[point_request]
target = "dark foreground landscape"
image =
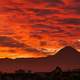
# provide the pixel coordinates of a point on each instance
(68, 60)
(56, 74)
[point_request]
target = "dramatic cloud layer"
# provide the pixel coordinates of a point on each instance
(38, 28)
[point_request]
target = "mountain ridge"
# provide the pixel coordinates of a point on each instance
(67, 58)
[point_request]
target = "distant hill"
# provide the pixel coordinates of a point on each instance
(67, 58)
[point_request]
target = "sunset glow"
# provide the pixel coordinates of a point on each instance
(38, 28)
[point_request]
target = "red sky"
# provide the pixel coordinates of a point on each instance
(38, 28)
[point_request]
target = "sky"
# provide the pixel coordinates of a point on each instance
(38, 28)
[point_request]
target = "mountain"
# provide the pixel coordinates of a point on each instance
(67, 58)
(67, 53)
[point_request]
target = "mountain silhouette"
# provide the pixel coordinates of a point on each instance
(67, 58)
(68, 52)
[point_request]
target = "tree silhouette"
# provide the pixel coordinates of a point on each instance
(56, 74)
(20, 71)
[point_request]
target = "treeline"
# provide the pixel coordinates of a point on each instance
(56, 74)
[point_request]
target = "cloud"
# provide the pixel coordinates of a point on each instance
(36, 20)
(10, 42)
(49, 1)
(43, 26)
(63, 43)
(71, 33)
(70, 21)
(36, 36)
(73, 7)
(36, 50)
(57, 30)
(44, 12)
(12, 51)
(76, 44)
(43, 43)
(6, 41)
(12, 9)
(52, 0)
(55, 3)
(38, 33)
(30, 22)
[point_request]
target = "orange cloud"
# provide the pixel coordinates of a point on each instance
(37, 28)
